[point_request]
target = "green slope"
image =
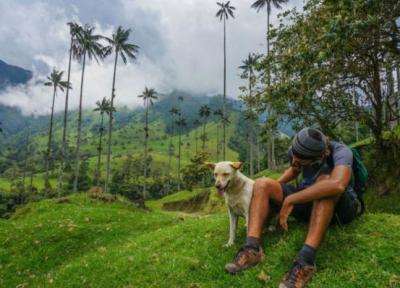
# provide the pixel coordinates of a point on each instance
(87, 243)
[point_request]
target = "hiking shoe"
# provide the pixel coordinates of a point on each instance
(298, 276)
(246, 257)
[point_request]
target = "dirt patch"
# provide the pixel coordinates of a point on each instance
(190, 205)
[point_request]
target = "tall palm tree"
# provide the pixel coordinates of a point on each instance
(75, 32)
(196, 123)
(120, 46)
(27, 153)
(250, 116)
(204, 113)
(223, 14)
(148, 96)
(219, 114)
(1, 129)
(259, 5)
(54, 80)
(86, 45)
(174, 113)
(103, 107)
(181, 123)
(248, 67)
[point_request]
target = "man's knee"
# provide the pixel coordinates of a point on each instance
(265, 186)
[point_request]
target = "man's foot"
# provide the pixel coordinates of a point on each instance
(298, 276)
(246, 257)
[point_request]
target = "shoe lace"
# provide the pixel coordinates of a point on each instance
(243, 252)
(296, 272)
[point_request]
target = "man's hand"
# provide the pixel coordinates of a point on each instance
(286, 210)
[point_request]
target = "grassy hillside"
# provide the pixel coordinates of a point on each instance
(86, 242)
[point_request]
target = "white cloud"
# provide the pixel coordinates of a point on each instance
(181, 47)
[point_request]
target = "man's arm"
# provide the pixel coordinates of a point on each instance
(335, 185)
(289, 174)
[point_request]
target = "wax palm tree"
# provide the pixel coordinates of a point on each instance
(102, 107)
(218, 113)
(181, 123)
(223, 14)
(259, 5)
(54, 80)
(196, 123)
(86, 45)
(251, 116)
(75, 31)
(248, 67)
(1, 129)
(174, 113)
(204, 113)
(120, 46)
(148, 96)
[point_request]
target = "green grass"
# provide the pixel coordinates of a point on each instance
(88, 243)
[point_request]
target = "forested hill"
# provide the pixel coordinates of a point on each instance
(13, 75)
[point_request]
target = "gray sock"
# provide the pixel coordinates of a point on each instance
(253, 242)
(307, 255)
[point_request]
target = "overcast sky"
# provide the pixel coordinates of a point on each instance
(180, 47)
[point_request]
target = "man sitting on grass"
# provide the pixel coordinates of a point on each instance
(323, 197)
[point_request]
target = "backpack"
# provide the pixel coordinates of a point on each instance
(359, 177)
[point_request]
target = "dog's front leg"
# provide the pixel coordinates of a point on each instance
(233, 221)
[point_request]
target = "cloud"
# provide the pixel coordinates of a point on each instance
(181, 47)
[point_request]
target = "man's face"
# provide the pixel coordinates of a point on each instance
(297, 162)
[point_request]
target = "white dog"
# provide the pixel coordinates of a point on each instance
(237, 189)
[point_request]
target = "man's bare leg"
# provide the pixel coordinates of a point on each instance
(303, 268)
(321, 217)
(265, 189)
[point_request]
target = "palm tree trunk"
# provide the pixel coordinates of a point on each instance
(398, 92)
(107, 176)
(26, 156)
(170, 149)
(204, 136)
(100, 149)
(224, 103)
(270, 140)
(258, 149)
(46, 180)
(145, 150)
(78, 140)
(196, 137)
(251, 150)
(64, 137)
(217, 141)
(251, 131)
(179, 154)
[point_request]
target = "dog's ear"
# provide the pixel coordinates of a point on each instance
(236, 165)
(211, 165)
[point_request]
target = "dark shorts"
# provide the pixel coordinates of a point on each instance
(346, 209)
